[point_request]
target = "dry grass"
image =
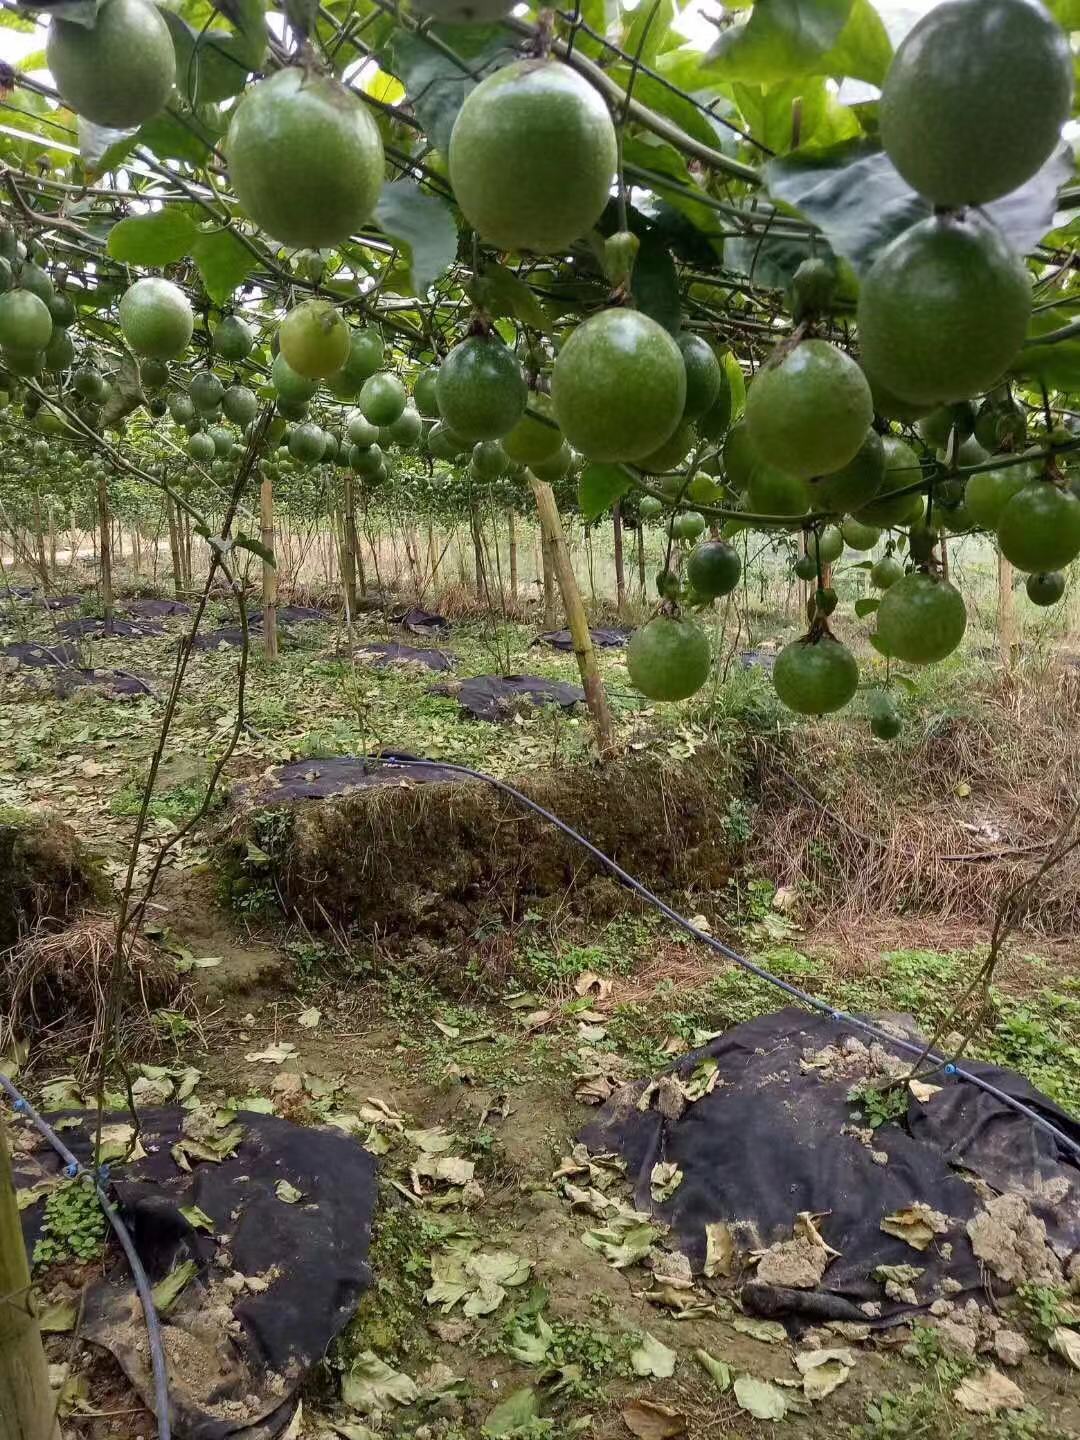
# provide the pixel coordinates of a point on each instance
(54, 991)
(942, 827)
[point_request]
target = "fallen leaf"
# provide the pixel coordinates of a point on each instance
(57, 1317)
(273, 1054)
(197, 1219)
(371, 1386)
(989, 1393)
(650, 1421)
(1066, 1343)
(719, 1250)
(823, 1371)
(589, 980)
(717, 1370)
(167, 1291)
(760, 1399)
(770, 1331)
(664, 1180)
(922, 1091)
(653, 1358)
(518, 1410)
(285, 1190)
(916, 1225)
(309, 1019)
(434, 1141)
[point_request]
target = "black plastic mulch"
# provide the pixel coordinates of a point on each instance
(380, 653)
(779, 1137)
(603, 639)
(151, 608)
(61, 602)
(498, 698)
(99, 629)
(120, 684)
(321, 779)
(421, 622)
(28, 653)
(292, 615)
(275, 1281)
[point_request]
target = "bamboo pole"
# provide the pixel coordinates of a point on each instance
(269, 572)
(27, 1406)
(593, 685)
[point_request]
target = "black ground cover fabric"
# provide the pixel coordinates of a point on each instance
(62, 602)
(149, 607)
(292, 615)
(380, 653)
(499, 698)
(29, 653)
(421, 622)
(319, 779)
(118, 683)
(779, 1137)
(276, 1281)
(563, 640)
(98, 628)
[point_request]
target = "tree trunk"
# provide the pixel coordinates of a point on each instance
(105, 549)
(641, 559)
(186, 525)
(39, 542)
(136, 549)
(478, 550)
(511, 532)
(349, 547)
(174, 547)
(620, 573)
(550, 617)
(1006, 616)
(269, 572)
(52, 538)
(593, 685)
(432, 558)
(27, 1406)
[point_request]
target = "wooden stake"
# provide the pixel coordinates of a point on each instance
(511, 534)
(552, 526)
(105, 548)
(269, 573)
(174, 547)
(620, 573)
(27, 1406)
(550, 617)
(350, 548)
(1006, 616)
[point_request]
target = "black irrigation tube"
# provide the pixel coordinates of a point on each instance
(74, 1169)
(950, 1067)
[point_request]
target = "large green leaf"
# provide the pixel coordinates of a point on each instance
(501, 292)
(855, 194)
(437, 84)
(796, 113)
(177, 134)
(598, 489)
(655, 284)
(211, 65)
(863, 51)
(781, 39)
(1066, 13)
(423, 226)
(648, 28)
(223, 261)
(157, 239)
(1057, 366)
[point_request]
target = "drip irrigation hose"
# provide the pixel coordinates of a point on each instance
(950, 1067)
(73, 1169)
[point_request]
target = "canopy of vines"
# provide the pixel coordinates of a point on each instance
(785, 280)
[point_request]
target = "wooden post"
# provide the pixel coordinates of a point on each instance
(349, 546)
(105, 548)
(620, 573)
(478, 550)
(27, 1406)
(39, 541)
(552, 526)
(943, 549)
(642, 582)
(174, 547)
(269, 572)
(511, 534)
(1006, 616)
(432, 558)
(52, 538)
(550, 616)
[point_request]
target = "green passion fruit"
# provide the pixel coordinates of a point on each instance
(857, 482)
(156, 318)
(1039, 528)
(809, 413)
(886, 572)
(25, 323)
(232, 339)
(365, 359)
(859, 536)
(668, 659)
(826, 547)
(688, 525)
(987, 494)
(902, 469)
(618, 386)
(382, 398)
(936, 427)
(672, 452)
(1045, 587)
(944, 308)
(885, 722)
(314, 339)
(815, 676)
(704, 376)
(776, 492)
(532, 156)
(713, 569)
(425, 393)
(921, 619)
(480, 389)
(117, 72)
(975, 98)
(305, 158)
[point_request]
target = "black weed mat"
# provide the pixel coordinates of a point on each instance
(421, 622)
(98, 629)
(292, 615)
(380, 653)
(498, 698)
(37, 656)
(278, 1257)
(765, 1154)
(61, 602)
(320, 779)
(603, 639)
(118, 684)
(151, 608)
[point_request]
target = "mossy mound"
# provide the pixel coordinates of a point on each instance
(45, 873)
(440, 858)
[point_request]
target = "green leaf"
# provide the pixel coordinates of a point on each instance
(371, 1386)
(598, 489)
(866, 606)
(717, 1371)
(211, 65)
(248, 542)
(1066, 13)
(423, 226)
(166, 1292)
(653, 1358)
(224, 263)
(864, 50)
(501, 292)
(1057, 366)
(249, 18)
(435, 84)
(102, 148)
(855, 194)
(197, 1219)
(177, 134)
(160, 238)
(737, 380)
(781, 39)
(655, 284)
(648, 29)
(759, 1398)
(125, 393)
(796, 113)
(287, 1192)
(516, 1411)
